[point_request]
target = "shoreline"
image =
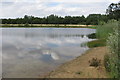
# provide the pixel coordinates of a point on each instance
(46, 26)
(79, 67)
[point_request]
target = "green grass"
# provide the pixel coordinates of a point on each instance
(93, 27)
(109, 35)
(97, 43)
(103, 31)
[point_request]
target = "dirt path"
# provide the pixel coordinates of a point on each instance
(79, 67)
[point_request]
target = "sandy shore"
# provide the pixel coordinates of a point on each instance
(46, 25)
(79, 67)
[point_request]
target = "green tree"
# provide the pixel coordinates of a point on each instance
(113, 11)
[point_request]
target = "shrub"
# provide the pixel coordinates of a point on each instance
(113, 46)
(107, 62)
(95, 62)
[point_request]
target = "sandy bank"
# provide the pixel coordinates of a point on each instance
(79, 67)
(47, 25)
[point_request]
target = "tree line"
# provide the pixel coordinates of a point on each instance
(113, 12)
(54, 19)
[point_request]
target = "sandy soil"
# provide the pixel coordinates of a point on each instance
(79, 67)
(47, 25)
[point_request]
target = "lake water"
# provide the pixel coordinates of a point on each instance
(32, 52)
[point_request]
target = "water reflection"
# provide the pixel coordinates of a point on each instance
(29, 53)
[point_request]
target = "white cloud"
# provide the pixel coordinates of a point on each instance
(81, 1)
(18, 8)
(114, 1)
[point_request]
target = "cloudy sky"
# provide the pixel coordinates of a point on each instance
(41, 8)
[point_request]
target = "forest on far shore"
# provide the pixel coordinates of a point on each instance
(113, 12)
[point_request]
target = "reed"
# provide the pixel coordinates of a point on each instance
(102, 31)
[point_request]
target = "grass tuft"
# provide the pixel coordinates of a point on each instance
(97, 43)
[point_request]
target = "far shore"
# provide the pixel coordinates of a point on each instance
(79, 67)
(47, 25)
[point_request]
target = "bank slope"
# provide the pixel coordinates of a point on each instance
(79, 67)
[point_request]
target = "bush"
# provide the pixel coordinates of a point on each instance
(113, 46)
(95, 62)
(107, 62)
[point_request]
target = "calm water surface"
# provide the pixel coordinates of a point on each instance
(32, 52)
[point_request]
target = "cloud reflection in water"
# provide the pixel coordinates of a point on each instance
(36, 48)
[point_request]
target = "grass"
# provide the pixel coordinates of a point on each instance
(108, 35)
(103, 31)
(110, 32)
(97, 43)
(93, 27)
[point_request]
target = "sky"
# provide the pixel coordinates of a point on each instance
(43, 8)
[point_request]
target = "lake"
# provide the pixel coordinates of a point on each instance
(33, 52)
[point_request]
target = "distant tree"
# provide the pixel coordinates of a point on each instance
(52, 19)
(92, 19)
(67, 20)
(28, 19)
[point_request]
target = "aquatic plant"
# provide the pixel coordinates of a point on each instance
(96, 43)
(92, 36)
